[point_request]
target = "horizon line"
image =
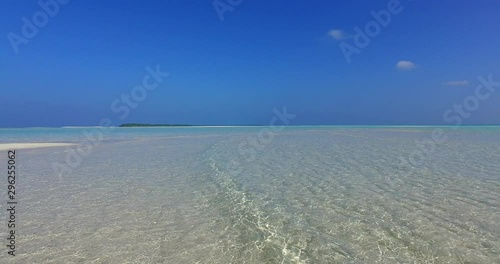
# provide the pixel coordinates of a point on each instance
(215, 126)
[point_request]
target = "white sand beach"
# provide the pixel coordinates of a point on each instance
(15, 146)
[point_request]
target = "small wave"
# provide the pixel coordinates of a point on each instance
(253, 232)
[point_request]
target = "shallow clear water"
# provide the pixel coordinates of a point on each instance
(228, 195)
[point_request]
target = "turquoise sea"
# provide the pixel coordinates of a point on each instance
(310, 194)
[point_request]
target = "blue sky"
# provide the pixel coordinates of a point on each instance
(263, 55)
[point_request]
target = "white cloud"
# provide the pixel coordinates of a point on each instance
(336, 34)
(405, 65)
(457, 83)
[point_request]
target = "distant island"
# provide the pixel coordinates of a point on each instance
(153, 125)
